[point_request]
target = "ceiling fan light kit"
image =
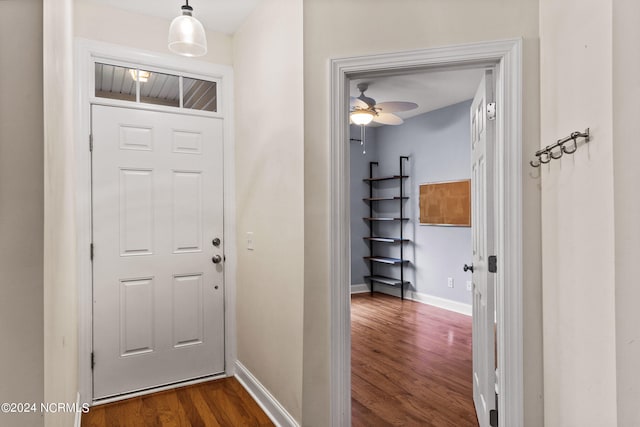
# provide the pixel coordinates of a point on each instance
(186, 34)
(362, 117)
(378, 113)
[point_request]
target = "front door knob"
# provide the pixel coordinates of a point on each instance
(468, 268)
(216, 259)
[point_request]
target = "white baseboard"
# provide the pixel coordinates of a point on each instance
(360, 288)
(447, 304)
(274, 410)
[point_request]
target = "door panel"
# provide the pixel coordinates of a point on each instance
(482, 143)
(157, 182)
(136, 212)
(187, 212)
(187, 310)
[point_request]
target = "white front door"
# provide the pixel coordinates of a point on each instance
(482, 224)
(158, 314)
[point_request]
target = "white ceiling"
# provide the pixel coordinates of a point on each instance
(225, 16)
(430, 90)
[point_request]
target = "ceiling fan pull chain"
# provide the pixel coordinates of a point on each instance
(362, 140)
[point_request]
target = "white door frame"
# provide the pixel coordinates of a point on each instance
(86, 53)
(506, 57)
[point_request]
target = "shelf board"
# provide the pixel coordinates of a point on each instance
(386, 239)
(385, 178)
(386, 260)
(387, 280)
(384, 219)
(380, 199)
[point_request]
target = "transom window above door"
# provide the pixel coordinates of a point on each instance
(152, 87)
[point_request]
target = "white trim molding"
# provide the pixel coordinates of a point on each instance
(77, 421)
(269, 404)
(505, 57)
(446, 304)
(87, 52)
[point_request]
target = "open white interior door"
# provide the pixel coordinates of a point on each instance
(158, 265)
(482, 182)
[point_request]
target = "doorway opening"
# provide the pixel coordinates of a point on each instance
(505, 58)
(411, 236)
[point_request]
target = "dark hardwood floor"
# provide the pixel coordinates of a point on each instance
(411, 364)
(215, 403)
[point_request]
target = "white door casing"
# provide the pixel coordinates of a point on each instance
(506, 56)
(157, 206)
(483, 242)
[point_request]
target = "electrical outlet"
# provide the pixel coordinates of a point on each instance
(469, 285)
(249, 240)
(450, 282)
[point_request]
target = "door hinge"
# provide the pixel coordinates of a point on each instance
(493, 414)
(90, 142)
(493, 264)
(93, 360)
(91, 251)
(491, 111)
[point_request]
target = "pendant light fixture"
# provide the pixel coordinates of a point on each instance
(186, 34)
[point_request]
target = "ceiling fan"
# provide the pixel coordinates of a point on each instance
(364, 110)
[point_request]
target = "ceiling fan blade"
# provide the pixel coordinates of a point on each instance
(395, 106)
(388, 119)
(357, 103)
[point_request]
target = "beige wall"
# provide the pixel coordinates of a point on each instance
(626, 152)
(96, 21)
(578, 215)
(334, 28)
(21, 209)
(60, 293)
(270, 200)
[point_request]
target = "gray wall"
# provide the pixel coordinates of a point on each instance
(439, 149)
(21, 208)
(360, 169)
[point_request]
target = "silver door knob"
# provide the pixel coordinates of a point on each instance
(216, 259)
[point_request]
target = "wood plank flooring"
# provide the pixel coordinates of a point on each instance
(223, 403)
(411, 364)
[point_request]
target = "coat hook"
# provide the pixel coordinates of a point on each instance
(557, 156)
(548, 158)
(575, 146)
(546, 154)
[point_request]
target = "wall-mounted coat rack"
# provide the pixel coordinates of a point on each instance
(556, 150)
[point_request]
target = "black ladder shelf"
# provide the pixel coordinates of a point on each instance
(374, 239)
